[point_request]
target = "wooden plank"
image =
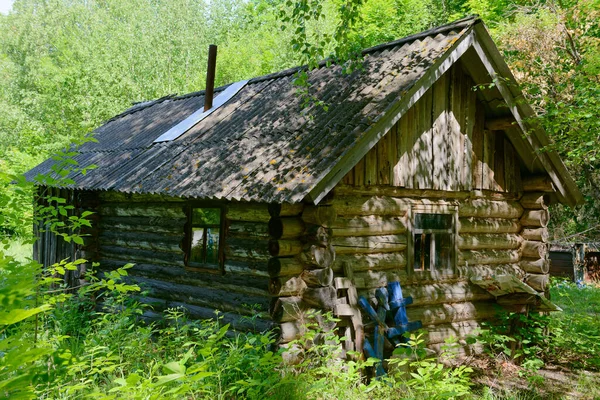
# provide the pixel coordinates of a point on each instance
(403, 170)
(371, 167)
(470, 116)
(441, 172)
(477, 161)
(383, 159)
(423, 145)
(359, 173)
(349, 178)
(499, 163)
(393, 152)
(489, 143)
(454, 139)
(509, 167)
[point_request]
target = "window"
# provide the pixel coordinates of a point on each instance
(433, 241)
(204, 237)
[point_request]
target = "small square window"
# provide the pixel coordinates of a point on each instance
(433, 240)
(204, 237)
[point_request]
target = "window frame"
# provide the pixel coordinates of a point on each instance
(219, 267)
(443, 209)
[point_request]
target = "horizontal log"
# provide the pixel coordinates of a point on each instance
(142, 210)
(143, 224)
(142, 240)
(458, 330)
(248, 229)
(246, 249)
(237, 322)
(537, 183)
(533, 249)
(369, 225)
(463, 350)
(317, 256)
(254, 285)
(319, 215)
(538, 281)
(488, 241)
(535, 218)
(490, 270)
(285, 309)
(375, 205)
(535, 265)
(535, 234)
(483, 208)
(375, 279)
(350, 190)
(369, 244)
(141, 256)
(457, 312)
(285, 209)
(483, 257)
(217, 299)
(318, 277)
(119, 197)
(488, 225)
(247, 267)
(286, 228)
(251, 212)
(323, 298)
(283, 248)
(316, 234)
(287, 286)
(284, 266)
(535, 201)
(292, 354)
(366, 262)
(294, 330)
(290, 331)
(437, 293)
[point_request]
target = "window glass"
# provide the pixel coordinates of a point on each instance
(205, 230)
(433, 242)
(434, 221)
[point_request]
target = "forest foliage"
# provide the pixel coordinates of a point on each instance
(67, 66)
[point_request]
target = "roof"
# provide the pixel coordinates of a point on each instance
(262, 145)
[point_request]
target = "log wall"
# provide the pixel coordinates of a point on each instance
(149, 230)
(445, 301)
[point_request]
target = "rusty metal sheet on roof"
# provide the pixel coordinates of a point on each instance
(261, 145)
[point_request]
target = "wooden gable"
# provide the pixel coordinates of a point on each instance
(441, 144)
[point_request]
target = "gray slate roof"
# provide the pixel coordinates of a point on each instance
(261, 145)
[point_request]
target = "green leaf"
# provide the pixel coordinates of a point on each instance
(16, 315)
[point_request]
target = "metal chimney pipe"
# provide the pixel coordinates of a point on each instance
(210, 77)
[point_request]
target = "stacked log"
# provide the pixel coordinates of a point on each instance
(488, 234)
(300, 267)
(534, 221)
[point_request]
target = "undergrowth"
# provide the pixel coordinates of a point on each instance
(61, 345)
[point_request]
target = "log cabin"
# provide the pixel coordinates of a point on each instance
(424, 167)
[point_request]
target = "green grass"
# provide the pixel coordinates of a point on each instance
(575, 332)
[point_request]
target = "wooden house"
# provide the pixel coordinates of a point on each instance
(424, 168)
